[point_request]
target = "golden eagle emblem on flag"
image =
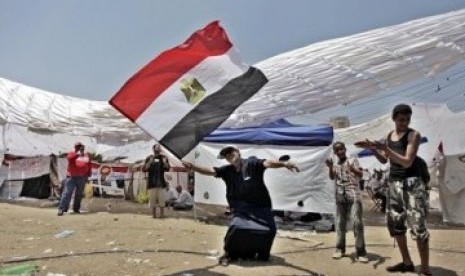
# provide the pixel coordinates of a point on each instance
(193, 90)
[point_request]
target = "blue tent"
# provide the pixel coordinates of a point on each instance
(280, 132)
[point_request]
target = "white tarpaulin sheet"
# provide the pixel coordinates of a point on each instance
(311, 186)
(342, 70)
(46, 113)
(451, 181)
(18, 140)
(304, 80)
(29, 167)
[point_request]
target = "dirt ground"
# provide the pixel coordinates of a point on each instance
(116, 237)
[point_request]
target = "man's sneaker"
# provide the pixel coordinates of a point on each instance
(338, 254)
(76, 211)
(60, 213)
(401, 267)
(363, 259)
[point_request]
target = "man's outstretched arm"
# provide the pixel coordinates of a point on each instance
(280, 164)
(199, 169)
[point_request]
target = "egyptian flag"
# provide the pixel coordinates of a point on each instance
(188, 91)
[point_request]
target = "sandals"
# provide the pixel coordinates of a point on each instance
(224, 260)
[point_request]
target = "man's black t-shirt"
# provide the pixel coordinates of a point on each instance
(156, 172)
(246, 185)
(396, 171)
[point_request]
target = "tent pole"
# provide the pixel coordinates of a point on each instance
(195, 205)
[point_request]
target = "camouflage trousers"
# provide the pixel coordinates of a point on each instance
(407, 204)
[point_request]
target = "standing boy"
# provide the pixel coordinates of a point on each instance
(407, 197)
(346, 174)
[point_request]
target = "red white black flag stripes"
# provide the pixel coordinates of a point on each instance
(188, 91)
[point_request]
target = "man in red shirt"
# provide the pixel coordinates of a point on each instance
(77, 174)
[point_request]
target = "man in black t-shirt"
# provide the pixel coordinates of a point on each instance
(407, 198)
(156, 165)
(249, 201)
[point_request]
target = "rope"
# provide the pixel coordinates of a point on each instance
(313, 248)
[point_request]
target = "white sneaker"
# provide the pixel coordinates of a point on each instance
(338, 255)
(363, 259)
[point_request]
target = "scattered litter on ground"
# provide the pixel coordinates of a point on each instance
(134, 260)
(213, 252)
(111, 243)
(19, 258)
(64, 233)
(24, 269)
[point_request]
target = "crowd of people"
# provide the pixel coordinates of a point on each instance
(401, 189)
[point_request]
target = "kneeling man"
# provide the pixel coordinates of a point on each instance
(250, 203)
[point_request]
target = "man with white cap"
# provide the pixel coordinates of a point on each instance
(249, 201)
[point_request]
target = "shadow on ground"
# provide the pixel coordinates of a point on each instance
(274, 261)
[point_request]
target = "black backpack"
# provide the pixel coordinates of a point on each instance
(422, 168)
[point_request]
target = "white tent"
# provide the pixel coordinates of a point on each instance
(304, 80)
(342, 70)
(307, 191)
(37, 122)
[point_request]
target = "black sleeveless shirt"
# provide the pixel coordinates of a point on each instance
(396, 171)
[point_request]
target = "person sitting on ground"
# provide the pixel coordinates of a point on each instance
(184, 201)
(171, 195)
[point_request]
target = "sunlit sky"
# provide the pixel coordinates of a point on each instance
(88, 49)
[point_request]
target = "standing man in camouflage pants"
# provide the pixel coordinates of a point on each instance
(407, 199)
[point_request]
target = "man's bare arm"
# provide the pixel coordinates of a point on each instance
(406, 160)
(356, 170)
(377, 150)
(199, 169)
(166, 163)
(146, 166)
(279, 164)
(380, 155)
(330, 164)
